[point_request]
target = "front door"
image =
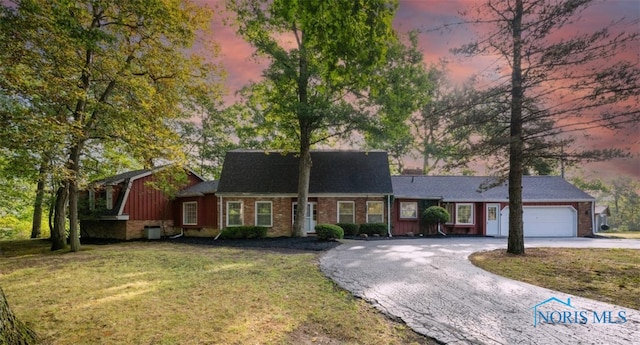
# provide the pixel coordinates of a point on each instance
(311, 217)
(493, 220)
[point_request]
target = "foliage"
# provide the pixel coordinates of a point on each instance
(90, 76)
(373, 229)
(243, 232)
(329, 232)
(436, 215)
(322, 60)
(403, 87)
(545, 80)
(350, 229)
(621, 194)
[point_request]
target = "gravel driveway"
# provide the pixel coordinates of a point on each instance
(431, 285)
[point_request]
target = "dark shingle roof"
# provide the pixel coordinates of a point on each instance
(116, 179)
(339, 172)
(200, 189)
(468, 188)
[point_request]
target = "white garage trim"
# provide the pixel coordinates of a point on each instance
(544, 221)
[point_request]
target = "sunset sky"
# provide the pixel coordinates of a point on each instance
(242, 68)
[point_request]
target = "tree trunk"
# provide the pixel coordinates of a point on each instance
(36, 226)
(73, 198)
(516, 232)
(304, 174)
(304, 121)
(12, 330)
(58, 240)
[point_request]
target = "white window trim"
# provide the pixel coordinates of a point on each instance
(338, 210)
(109, 197)
(270, 213)
(408, 202)
(241, 212)
(470, 215)
(381, 210)
(184, 212)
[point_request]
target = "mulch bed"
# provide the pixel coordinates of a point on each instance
(277, 243)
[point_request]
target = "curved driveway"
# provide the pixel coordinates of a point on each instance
(431, 285)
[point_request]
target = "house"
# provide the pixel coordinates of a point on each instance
(552, 207)
(126, 206)
(601, 216)
(260, 188)
(195, 210)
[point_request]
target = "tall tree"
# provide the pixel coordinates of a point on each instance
(322, 57)
(441, 143)
(105, 72)
(404, 86)
(556, 80)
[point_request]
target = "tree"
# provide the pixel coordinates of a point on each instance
(404, 86)
(96, 73)
(441, 142)
(553, 72)
(12, 330)
(322, 58)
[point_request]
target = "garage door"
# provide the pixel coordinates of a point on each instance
(544, 221)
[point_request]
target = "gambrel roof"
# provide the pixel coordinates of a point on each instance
(472, 188)
(332, 172)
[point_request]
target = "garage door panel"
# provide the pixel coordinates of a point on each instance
(544, 221)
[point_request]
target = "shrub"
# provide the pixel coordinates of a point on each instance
(327, 232)
(243, 232)
(435, 215)
(349, 229)
(373, 228)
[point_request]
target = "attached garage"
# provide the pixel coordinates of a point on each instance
(544, 221)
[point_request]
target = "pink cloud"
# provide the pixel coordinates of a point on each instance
(241, 67)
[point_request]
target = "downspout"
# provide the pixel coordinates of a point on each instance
(219, 219)
(389, 215)
(593, 218)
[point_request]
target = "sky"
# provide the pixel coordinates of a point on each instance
(242, 68)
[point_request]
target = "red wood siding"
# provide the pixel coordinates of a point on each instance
(207, 211)
(147, 203)
(403, 226)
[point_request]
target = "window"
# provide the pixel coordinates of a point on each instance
(408, 209)
(190, 213)
(109, 195)
(464, 213)
(234, 213)
(375, 212)
(263, 213)
(450, 207)
(346, 212)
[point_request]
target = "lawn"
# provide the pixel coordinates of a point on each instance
(171, 293)
(621, 234)
(608, 275)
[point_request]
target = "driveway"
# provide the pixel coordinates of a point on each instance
(431, 285)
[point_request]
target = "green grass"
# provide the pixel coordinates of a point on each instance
(162, 293)
(608, 275)
(621, 234)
